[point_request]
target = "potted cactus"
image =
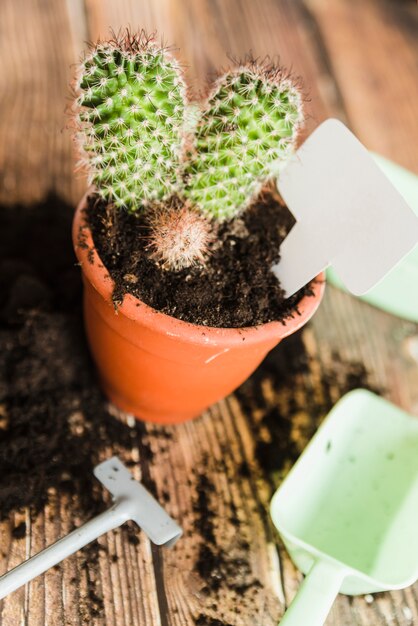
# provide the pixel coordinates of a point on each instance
(177, 233)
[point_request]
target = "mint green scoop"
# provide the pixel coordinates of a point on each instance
(348, 510)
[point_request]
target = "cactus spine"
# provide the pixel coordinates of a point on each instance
(131, 116)
(250, 121)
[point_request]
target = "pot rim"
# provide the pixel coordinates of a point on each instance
(134, 309)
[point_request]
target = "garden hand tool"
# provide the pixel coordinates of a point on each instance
(395, 293)
(348, 214)
(131, 502)
(348, 510)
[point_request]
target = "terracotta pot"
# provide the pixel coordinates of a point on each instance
(157, 367)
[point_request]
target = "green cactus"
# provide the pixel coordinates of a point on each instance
(249, 122)
(145, 145)
(131, 116)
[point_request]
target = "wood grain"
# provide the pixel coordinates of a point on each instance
(358, 62)
(372, 49)
(37, 55)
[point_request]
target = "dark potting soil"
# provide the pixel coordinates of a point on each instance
(235, 288)
(203, 620)
(54, 421)
(55, 424)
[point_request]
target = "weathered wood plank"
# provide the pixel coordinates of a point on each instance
(211, 473)
(372, 48)
(36, 151)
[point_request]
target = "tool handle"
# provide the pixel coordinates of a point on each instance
(55, 553)
(315, 597)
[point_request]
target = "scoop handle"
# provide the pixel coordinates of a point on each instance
(315, 597)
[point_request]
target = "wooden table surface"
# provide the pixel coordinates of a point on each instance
(358, 60)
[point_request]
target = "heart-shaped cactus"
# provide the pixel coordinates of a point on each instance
(146, 146)
(250, 122)
(131, 116)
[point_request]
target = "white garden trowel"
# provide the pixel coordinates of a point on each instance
(348, 214)
(131, 502)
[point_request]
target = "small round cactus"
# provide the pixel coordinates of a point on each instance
(131, 115)
(249, 122)
(179, 236)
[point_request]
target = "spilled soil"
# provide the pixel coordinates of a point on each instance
(284, 403)
(53, 417)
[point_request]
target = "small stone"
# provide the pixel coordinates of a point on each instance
(131, 421)
(76, 423)
(407, 613)
(130, 278)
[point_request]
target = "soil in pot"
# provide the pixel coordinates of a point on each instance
(235, 288)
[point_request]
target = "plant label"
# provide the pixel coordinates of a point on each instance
(348, 214)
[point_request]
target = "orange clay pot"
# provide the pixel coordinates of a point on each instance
(157, 367)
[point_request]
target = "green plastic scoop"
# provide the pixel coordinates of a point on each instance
(348, 510)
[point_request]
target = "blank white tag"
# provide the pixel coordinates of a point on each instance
(348, 214)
